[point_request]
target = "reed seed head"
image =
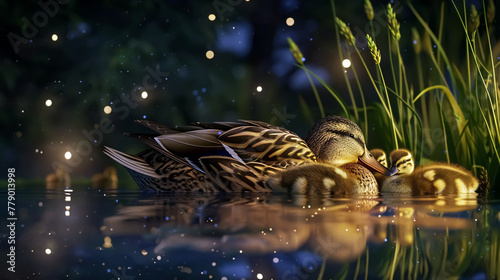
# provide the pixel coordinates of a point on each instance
(393, 23)
(490, 12)
(417, 44)
(373, 49)
(369, 10)
(345, 31)
(294, 49)
(474, 18)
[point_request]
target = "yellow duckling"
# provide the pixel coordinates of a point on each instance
(58, 180)
(434, 178)
(106, 180)
(381, 157)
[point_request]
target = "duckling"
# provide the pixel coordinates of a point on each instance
(106, 180)
(434, 178)
(253, 156)
(58, 180)
(381, 157)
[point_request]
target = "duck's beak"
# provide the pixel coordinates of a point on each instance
(371, 163)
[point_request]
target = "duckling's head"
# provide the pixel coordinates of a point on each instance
(402, 160)
(337, 140)
(380, 156)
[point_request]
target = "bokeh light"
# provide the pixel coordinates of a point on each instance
(107, 109)
(67, 155)
(48, 102)
(290, 21)
(346, 63)
(210, 54)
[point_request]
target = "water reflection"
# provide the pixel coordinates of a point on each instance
(417, 236)
(118, 235)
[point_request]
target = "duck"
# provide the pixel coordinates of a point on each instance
(253, 156)
(432, 179)
(58, 180)
(107, 180)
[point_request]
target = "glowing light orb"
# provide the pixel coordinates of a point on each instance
(290, 21)
(211, 17)
(346, 63)
(48, 251)
(144, 95)
(260, 276)
(67, 155)
(54, 37)
(107, 109)
(210, 54)
(48, 102)
(259, 89)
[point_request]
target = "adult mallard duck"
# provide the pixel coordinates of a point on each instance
(434, 178)
(253, 156)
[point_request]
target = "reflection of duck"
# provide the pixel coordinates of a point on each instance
(236, 156)
(58, 180)
(106, 180)
(434, 178)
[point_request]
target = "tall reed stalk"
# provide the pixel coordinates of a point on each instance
(458, 116)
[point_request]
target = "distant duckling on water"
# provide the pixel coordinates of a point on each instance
(106, 180)
(434, 178)
(58, 180)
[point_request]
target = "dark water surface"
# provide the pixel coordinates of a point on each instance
(132, 235)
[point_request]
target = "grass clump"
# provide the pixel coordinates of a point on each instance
(449, 113)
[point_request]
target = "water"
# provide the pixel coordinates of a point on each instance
(131, 235)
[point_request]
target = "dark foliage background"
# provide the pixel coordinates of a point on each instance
(108, 50)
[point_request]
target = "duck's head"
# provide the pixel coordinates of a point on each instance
(380, 156)
(402, 161)
(337, 140)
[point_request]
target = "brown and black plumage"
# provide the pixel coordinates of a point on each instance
(252, 156)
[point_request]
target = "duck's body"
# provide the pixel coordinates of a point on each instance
(253, 156)
(434, 178)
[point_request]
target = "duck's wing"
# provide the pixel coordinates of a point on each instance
(165, 129)
(223, 126)
(154, 171)
(268, 126)
(185, 147)
(270, 146)
(231, 175)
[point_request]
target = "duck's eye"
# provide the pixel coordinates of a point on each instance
(352, 135)
(370, 155)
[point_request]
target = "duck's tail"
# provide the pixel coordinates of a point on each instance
(142, 173)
